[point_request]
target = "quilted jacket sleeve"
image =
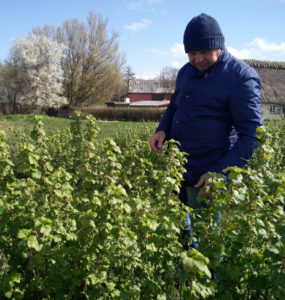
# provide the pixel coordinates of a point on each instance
(165, 123)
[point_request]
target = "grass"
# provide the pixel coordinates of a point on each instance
(107, 129)
(25, 123)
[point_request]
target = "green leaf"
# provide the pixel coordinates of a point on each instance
(151, 247)
(15, 277)
(45, 230)
(152, 224)
(273, 250)
(203, 268)
(36, 174)
(263, 233)
(9, 293)
(281, 228)
(93, 279)
(260, 222)
(24, 233)
(189, 265)
(110, 286)
(32, 242)
(116, 293)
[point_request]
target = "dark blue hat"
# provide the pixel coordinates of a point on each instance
(203, 33)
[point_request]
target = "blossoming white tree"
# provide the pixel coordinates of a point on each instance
(38, 61)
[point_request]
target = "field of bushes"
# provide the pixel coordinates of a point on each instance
(84, 216)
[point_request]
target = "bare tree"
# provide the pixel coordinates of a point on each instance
(167, 78)
(128, 75)
(11, 83)
(3, 90)
(92, 65)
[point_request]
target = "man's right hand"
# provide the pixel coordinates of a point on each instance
(157, 140)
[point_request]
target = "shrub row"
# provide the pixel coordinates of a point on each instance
(135, 114)
(125, 113)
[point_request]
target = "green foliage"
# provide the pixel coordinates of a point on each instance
(86, 218)
(245, 244)
(82, 218)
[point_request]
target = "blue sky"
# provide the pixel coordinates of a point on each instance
(151, 31)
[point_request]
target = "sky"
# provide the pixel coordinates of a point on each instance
(151, 31)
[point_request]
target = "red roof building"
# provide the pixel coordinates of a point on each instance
(148, 90)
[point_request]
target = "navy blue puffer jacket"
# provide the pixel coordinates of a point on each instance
(214, 115)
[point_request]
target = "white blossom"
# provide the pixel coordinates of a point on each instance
(39, 59)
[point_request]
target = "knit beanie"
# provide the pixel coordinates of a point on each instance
(203, 33)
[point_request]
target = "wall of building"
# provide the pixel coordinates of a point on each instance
(140, 97)
(273, 111)
(134, 97)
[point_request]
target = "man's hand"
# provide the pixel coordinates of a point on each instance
(157, 140)
(204, 181)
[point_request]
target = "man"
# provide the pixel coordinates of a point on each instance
(215, 109)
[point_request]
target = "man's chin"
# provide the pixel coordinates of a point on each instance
(200, 68)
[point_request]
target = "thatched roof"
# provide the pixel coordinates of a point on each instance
(272, 76)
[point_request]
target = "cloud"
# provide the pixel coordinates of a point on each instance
(174, 56)
(242, 54)
(263, 45)
(178, 51)
(142, 4)
(261, 49)
(138, 26)
(156, 1)
(159, 52)
(134, 5)
(147, 75)
(164, 12)
(176, 64)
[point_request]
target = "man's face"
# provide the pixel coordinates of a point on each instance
(203, 59)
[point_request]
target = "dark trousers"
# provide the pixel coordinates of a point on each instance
(188, 195)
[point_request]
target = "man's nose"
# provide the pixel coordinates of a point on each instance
(199, 58)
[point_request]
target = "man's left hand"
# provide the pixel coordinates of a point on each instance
(204, 181)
